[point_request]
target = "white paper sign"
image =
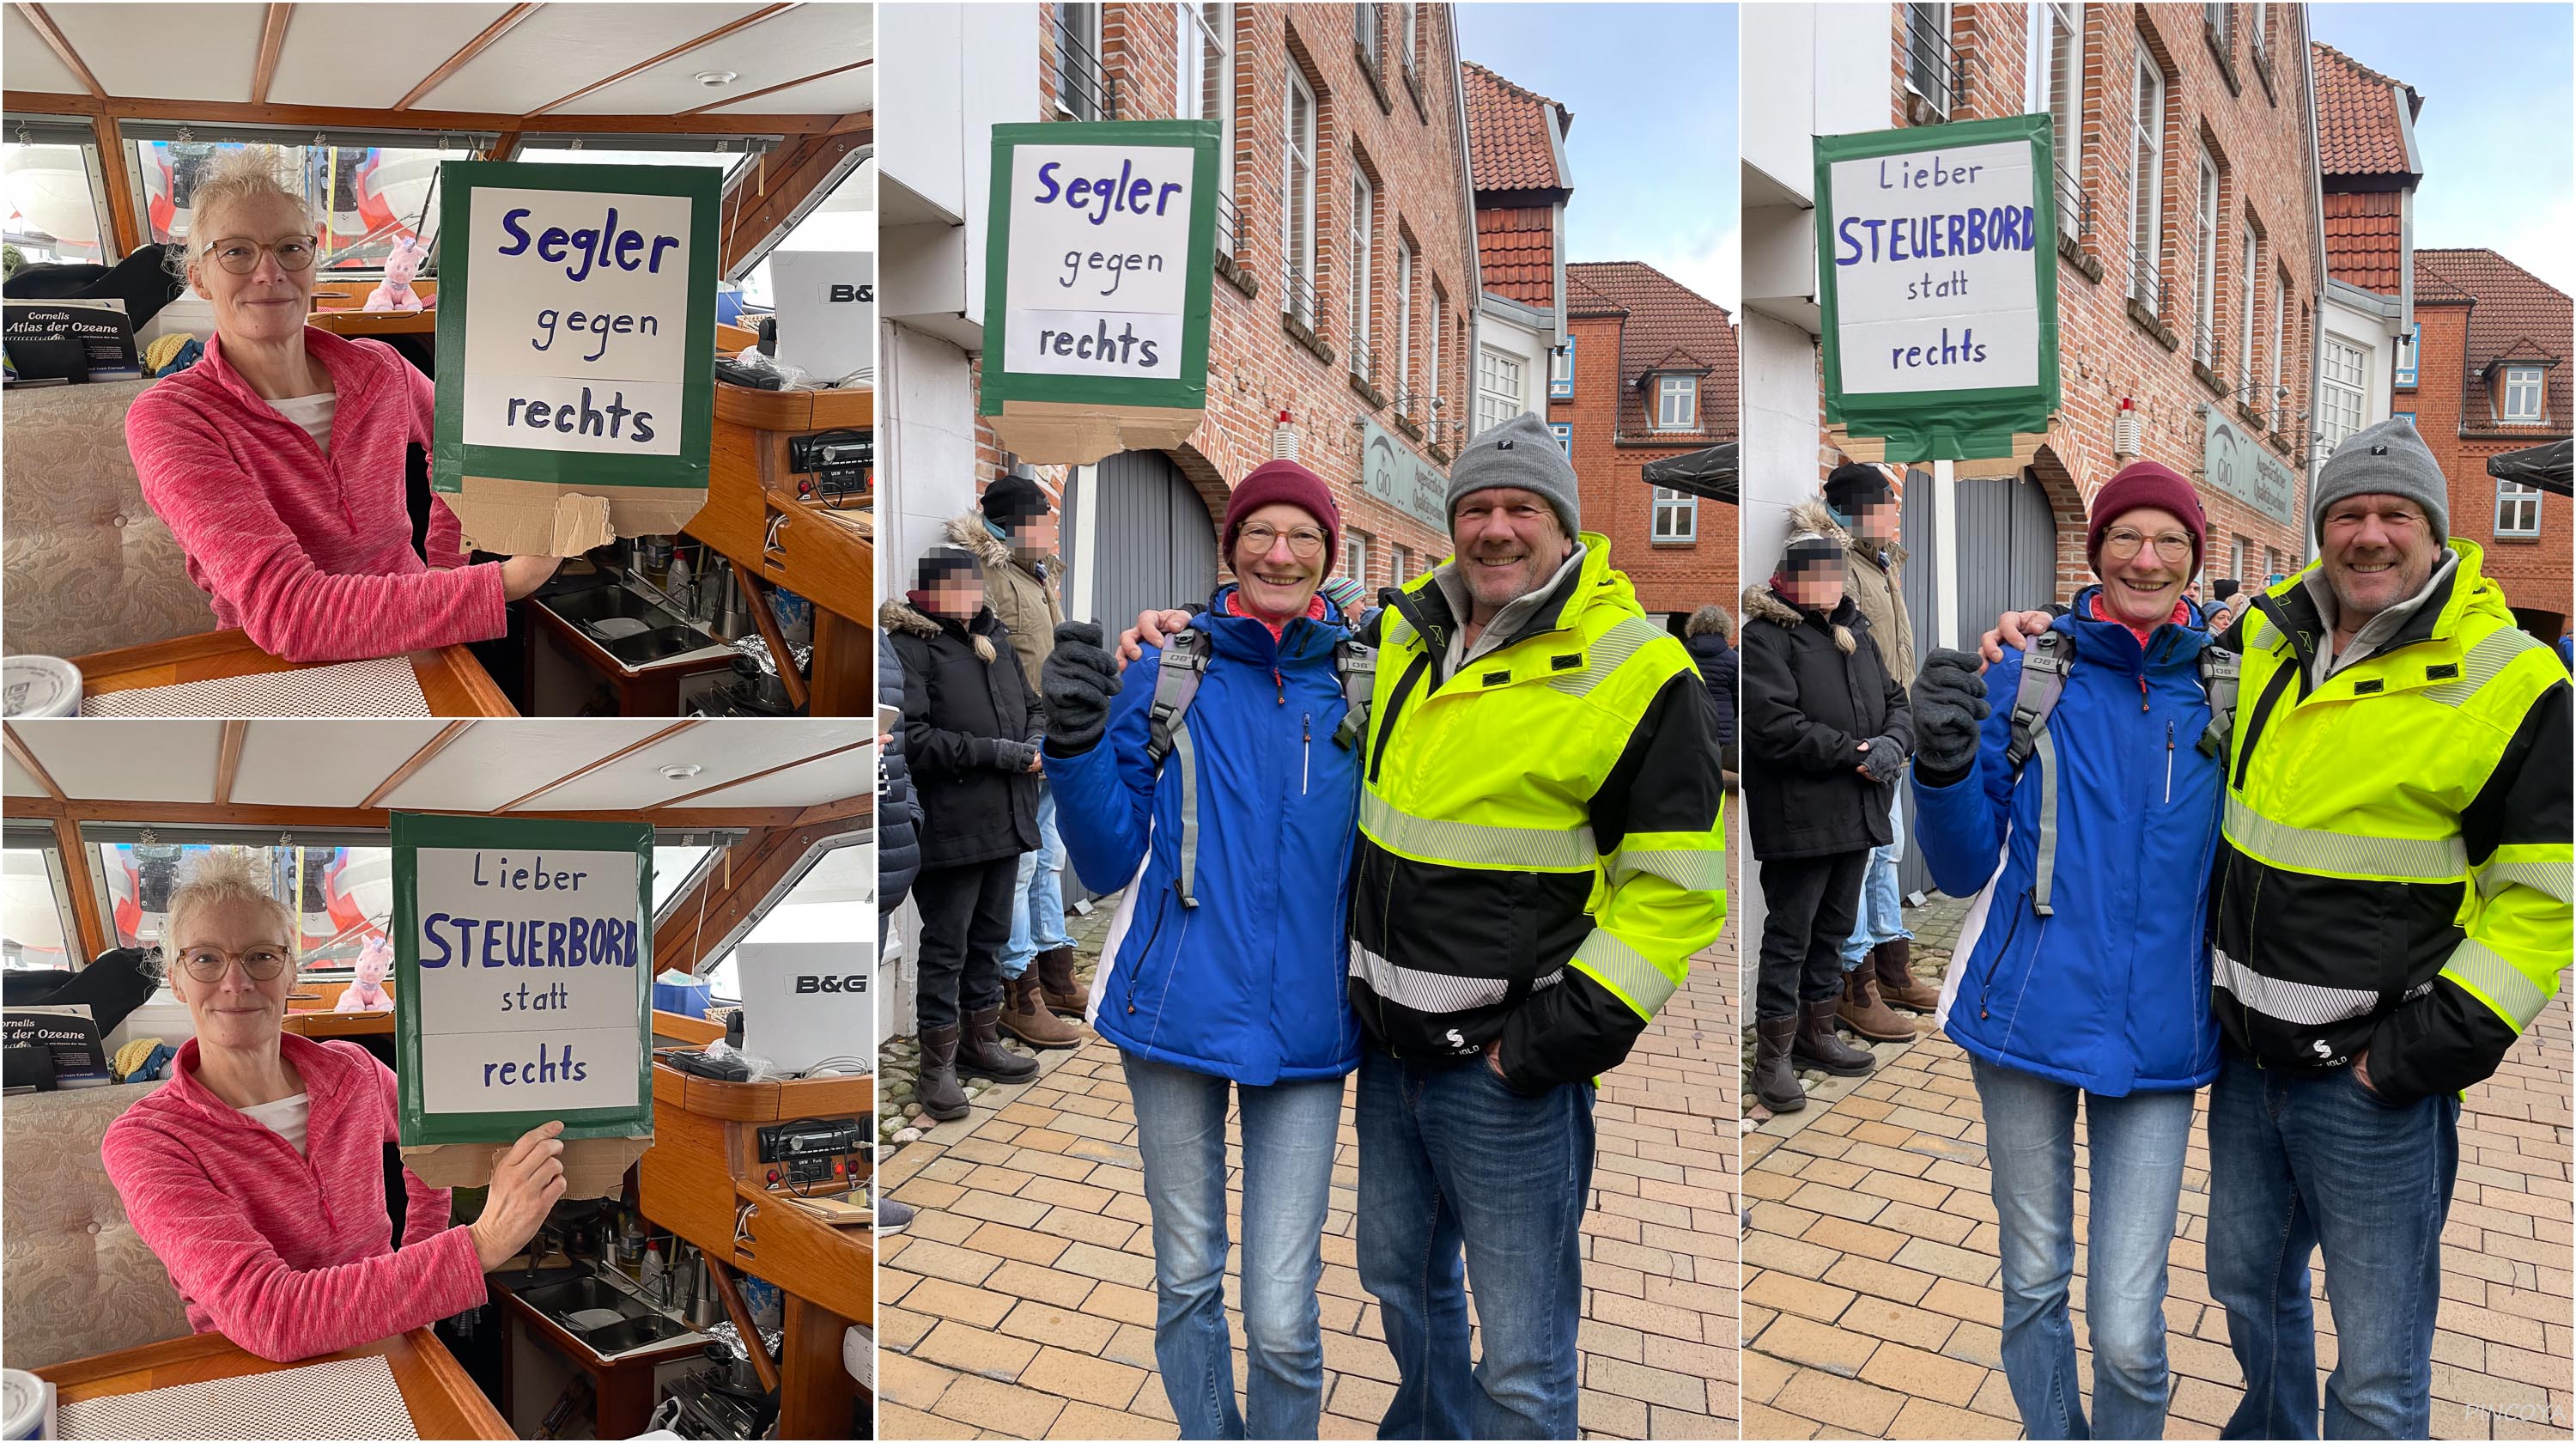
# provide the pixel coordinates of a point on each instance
(1936, 280)
(577, 321)
(528, 979)
(1098, 278)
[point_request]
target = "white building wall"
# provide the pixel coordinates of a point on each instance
(1501, 330)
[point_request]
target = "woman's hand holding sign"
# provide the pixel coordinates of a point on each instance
(525, 1185)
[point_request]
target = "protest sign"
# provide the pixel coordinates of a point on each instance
(1100, 252)
(1936, 261)
(523, 959)
(576, 329)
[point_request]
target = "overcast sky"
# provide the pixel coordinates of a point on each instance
(1652, 88)
(2498, 132)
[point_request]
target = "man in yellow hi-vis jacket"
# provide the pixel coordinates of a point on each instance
(1538, 858)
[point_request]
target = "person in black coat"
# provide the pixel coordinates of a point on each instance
(1705, 634)
(1826, 731)
(898, 806)
(971, 728)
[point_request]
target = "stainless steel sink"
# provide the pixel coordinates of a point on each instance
(635, 629)
(575, 1307)
(583, 1293)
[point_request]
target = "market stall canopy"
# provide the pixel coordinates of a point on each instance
(2547, 467)
(1709, 473)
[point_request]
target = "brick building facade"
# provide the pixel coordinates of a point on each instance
(1651, 375)
(2197, 289)
(1346, 271)
(2492, 376)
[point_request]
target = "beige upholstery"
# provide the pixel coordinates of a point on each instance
(79, 1280)
(86, 564)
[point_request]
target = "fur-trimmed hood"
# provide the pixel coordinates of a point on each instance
(901, 616)
(1761, 603)
(1814, 517)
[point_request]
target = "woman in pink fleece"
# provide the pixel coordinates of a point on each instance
(278, 459)
(256, 1174)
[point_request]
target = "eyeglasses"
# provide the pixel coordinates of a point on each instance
(2123, 543)
(209, 964)
(1305, 543)
(240, 254)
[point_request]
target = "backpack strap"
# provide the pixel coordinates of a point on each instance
(2219, 669)
(2044, 672)
(1176, 684)
(1357, 667)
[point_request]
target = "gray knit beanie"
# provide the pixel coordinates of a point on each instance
(2388, 459)
(1522, 453)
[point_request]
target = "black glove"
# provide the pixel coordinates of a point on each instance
(1949, 701)
(1884, 760)
(1013, 756)
(1077, 681)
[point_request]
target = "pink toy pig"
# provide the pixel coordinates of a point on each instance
(401, 265)
(368, 993)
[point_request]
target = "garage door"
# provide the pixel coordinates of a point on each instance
(1155, 546)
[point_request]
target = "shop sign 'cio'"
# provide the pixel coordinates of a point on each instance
(581, 299)
(1936, 263)
(1096, 286)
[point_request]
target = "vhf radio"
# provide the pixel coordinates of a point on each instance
(812, 1151)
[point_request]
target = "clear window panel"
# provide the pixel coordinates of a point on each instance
(834, 901)
(343, 897)
(34, 932)
(364, 199)
(54, 214)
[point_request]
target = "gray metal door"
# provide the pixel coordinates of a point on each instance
(1155, 546)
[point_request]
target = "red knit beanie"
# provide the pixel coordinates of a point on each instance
(2145, 483)
(1289, 482)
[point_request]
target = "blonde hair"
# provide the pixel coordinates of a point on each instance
(232, 177)
(226, 876)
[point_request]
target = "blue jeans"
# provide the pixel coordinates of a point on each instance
(1882, 907)
(2135, 1180)
(1460, 1175)
(2301, 1161)
(1037, 906)
(1288, 1138)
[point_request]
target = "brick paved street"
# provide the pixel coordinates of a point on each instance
(1870, 1306)
(1021, 1301)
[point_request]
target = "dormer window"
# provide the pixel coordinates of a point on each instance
(2522, 393)
(1676, 403)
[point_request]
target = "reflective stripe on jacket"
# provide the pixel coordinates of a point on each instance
(1539, 852)
(2396, 868)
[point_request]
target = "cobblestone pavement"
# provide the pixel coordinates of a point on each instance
(1869, 1286)
(1021, 1301)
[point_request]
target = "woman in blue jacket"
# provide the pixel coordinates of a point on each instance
(2082, 972)
(1225, 966)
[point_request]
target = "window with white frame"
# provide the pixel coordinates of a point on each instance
(1355, 555)
(1298, 214)
(1564, 433)
(1404, 46)
(2237, 546)
(2248, 284)
(1928, 54)
(1363, 276)
(1399, 565)
(2222, 20)
(2517, 509)
(2344, 392)
(56, 215)
(2275, 405)
(1677, 403)
(1403, 327)
(2147, 184)
(1560, 371)
(1205, 72)
(1676, 515)
(2260, 30)
(1080, 79)
(1431, 374)
(2056, 69)
(1498, 389)
(2521, 393)
(1364, 30)
(2204, 340)
(2404, 374)
(2272, 562)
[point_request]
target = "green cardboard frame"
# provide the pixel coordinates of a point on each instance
(1190, 390)
(451, 459)
(1958, 425)
(413, 831)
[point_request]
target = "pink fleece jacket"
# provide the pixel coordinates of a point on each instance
(310, 553)
(289, 1256)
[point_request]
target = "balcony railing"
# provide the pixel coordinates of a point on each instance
(1933, 66)
(1083, 87)
(1363, 360)
(2206, 347)
(1229, 225)
(2074, 207)
(1297, 295)
(1366, 31)
(2146, 286)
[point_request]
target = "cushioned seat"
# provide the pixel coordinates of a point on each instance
(80, 1280)
(86, 564)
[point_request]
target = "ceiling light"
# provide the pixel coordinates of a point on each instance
(715, 78)
(681, 773)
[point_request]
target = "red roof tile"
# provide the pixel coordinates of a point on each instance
(2514, 314)
(1668, 327)
(1516, 246)
(2357, 121)
(1510, 143)
(2365, 239)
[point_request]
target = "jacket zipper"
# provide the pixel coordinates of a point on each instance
(2169, 741)
(1985, 989)
(1306, 751)
(1141, 955)
(1281, 683)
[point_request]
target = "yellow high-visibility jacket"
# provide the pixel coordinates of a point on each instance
(1539, 852)
(2395, 873)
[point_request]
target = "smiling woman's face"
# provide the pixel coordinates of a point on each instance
(268, 305)
(236, 1010)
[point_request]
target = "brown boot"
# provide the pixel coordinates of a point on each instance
(1774, 1081)
(1024, 1019)
(1862, 1012)
(1817, 1046)
(1897, 984)
(1061, 990)
(937, 1089)
(981, 1053)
